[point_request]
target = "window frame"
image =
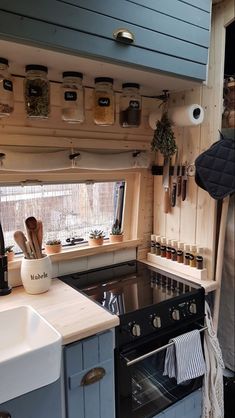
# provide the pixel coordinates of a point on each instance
(132, 202)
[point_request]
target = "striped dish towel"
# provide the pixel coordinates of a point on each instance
(184, 359)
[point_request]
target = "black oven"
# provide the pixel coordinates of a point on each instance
(142, 389)
(153, 306)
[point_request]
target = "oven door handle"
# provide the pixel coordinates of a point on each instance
(151, 353)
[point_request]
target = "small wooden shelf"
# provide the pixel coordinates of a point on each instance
(189, 274)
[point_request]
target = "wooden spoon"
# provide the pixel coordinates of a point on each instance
(31, 226)
(40, 234)
(20, 240)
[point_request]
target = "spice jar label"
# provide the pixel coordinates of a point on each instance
(104, 101)
(35, 91)
(134, 104)
(8, 85)
(70, 96)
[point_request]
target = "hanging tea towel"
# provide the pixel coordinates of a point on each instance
(184, 359)
(212, 389)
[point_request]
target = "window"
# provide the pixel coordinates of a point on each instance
(66, 210)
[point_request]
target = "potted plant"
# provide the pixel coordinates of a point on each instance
(96, 237)
(53, 246)
(116, 235)
(9, 253)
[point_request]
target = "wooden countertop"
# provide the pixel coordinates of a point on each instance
(74, 315)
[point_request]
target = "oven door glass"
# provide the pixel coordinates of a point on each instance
(143, 390)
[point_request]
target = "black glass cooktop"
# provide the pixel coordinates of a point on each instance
(127, 287)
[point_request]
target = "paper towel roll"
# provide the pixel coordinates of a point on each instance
(191, 115)
(187, 115)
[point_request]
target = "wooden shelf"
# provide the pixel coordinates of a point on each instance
(189, 274)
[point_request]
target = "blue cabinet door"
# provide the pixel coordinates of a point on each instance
(84, 362)
(41, 403)
(169, 35)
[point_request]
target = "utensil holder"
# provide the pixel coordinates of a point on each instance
(36, 274)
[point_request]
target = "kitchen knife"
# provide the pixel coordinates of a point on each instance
(165, 183)
(184, 183)
(179, 181)
(174, 181)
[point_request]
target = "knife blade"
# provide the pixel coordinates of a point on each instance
(174, 181)
(184, 183)
(165, 183)
(179, 181)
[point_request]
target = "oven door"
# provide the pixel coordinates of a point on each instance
(142, 390)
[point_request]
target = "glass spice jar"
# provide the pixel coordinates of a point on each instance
(158, 245)
(168, 249)
(153, 241)
(72, 107)
(37, 92)
(192, 257)
(130, 106)
(180, 252)
(6, 90)
(163, 247)
(174, 246)
(199, 258)
(104, 108)
(186, 254)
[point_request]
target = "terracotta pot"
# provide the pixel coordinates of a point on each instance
(94, 242)
(116, 238)
(53, 249)
(10, 256)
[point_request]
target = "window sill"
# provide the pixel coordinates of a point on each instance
(84, 251)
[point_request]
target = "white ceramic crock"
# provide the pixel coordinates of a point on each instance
(36, 274)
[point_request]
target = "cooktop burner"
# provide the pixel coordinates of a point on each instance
(127, 287)
(148, 300)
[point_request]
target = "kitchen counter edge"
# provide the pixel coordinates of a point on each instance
(70, 312)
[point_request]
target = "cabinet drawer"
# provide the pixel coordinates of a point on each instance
(164, 39)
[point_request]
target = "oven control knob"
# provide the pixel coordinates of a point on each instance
(175, 314)
(192, 308)
(135, 330)
(156, 322)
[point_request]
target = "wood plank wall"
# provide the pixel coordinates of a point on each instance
(194, 221)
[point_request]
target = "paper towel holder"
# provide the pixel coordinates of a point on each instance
(190, 115)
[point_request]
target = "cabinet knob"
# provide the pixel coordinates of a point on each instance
(124, 35)
(93, 376)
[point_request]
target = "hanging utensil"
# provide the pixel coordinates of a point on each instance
(174, 181)
(31, 226)
(179, 181)
(165, 183)
(184, 183)
(39, 233)
(21, 240)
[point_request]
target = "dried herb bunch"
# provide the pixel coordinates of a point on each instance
(164, 138)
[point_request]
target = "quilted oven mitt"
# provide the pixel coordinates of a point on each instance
(215, 168)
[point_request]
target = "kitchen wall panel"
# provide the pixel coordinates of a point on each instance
(188, 221)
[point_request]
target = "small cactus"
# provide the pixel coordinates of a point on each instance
(53, 242)
(8, 249)
(96, 233)
(116, 230)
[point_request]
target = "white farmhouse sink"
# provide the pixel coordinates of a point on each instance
(30, 352)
